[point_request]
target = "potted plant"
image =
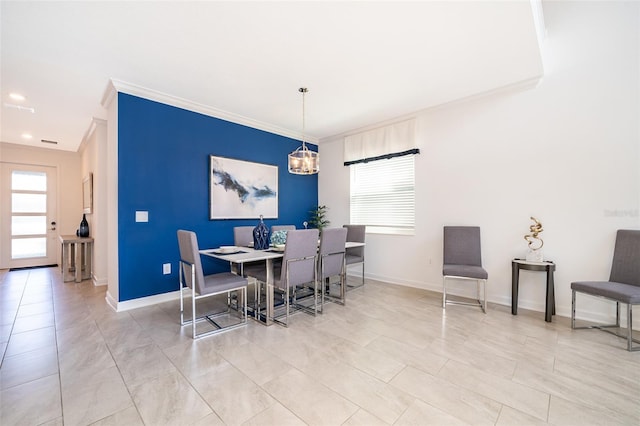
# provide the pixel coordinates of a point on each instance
(318, 217)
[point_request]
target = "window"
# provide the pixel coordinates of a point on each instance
(383, 195)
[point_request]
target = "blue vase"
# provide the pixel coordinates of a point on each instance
(261, 236)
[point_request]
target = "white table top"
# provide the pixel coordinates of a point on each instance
(248, 254)
(245, 254)
(531, 262)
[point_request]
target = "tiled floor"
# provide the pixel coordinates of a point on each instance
(391, 356)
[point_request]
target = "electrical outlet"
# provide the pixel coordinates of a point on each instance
(166, 268)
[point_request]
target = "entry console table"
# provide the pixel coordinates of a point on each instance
(76, 257)
(549, 268)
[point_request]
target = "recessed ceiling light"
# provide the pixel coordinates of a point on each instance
(27, 136)
(17, 97)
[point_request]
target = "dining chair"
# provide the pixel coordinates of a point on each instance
(191, 276)
(331, 263)
(355, 255)
(243, 236)
(296, 273)
(623, 285)
(462, 260)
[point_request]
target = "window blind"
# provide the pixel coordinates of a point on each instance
(383, 195)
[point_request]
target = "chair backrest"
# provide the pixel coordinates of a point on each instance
(332, 252)
(275, 228)
(356, 233)
(625, 267)
(462, 245)
(188, 244)
(301, 243)
(243, 236)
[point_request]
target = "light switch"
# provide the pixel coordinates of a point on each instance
(166, 268)
(142, 216)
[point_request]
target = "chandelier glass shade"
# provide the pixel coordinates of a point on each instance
(303, 161)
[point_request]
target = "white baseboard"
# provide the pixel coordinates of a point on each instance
(504, 300)
(97, 282)
(142, 301)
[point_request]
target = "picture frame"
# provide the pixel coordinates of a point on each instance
(87, 194)
(241, 189)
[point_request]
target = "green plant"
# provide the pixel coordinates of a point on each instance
(318, 217)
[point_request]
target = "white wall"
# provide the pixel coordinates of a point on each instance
(93, 154)
(566, 152)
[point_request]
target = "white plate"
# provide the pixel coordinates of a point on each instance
(227, 249)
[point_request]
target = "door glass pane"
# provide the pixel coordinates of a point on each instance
(28, 247)
(28, 225)
(28, 203)
(28, 181)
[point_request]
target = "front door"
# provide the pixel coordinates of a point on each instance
(28, 234)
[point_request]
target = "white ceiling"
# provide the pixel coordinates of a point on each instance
(363, 62)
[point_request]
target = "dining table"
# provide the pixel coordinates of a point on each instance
(241, 255)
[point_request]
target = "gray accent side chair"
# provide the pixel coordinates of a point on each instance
(355, 255)
(331, 262)
(623, 285)
(297, 271)
(192, 277)
(463, 261)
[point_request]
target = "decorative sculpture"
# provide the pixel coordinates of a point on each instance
(535, 253)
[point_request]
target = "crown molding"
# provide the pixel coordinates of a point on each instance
(89, 132)
(527, 84)
(114, 86)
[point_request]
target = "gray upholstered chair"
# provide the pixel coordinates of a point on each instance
(243, 236)
(355, 255)
(192, 277)
(331, 262)
(296, 272)
(463, 261)
(623, 285)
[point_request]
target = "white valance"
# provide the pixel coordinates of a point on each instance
(384, 142)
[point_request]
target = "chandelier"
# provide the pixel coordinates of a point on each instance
(303, 161)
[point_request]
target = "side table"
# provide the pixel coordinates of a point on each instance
(76, 257)
(548, 267)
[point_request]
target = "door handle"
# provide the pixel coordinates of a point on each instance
(53, 225)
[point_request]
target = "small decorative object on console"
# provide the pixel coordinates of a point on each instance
(83, 231)
(534, 254)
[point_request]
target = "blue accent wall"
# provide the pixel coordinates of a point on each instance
(163, 168)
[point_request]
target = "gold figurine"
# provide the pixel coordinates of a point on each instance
(535, 229)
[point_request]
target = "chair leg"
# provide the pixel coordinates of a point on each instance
(573, 309)
(444, 292)
(193, 310)
(629, 328)
(484, 295)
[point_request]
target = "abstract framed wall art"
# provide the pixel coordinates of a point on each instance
(242, 189)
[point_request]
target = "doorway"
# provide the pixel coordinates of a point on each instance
(28, 231)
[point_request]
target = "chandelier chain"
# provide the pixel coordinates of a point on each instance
(304, 91)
